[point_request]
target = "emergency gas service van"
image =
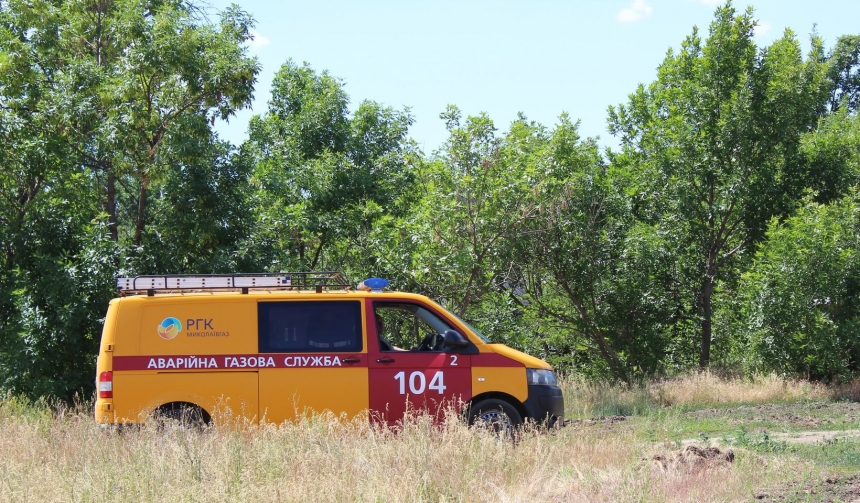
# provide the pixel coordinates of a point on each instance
(274, 347)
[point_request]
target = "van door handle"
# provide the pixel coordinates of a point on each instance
(351, 360)
(384, 360)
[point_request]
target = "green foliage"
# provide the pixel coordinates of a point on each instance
(202, 215)
(595, 276)
(800, 298)
(844, 74)
(324, 177)
(475, 203)
(60, 304)
(108, 106)
(838, 452)
(833, 151)
(762, 442)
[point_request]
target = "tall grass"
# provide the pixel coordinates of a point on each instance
(691, 391)
(58, 454)
(707, 389)
(588, 399)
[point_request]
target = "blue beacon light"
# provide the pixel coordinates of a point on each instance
(374, 285)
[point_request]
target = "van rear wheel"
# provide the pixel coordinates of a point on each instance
(185, 414)
(496, 416)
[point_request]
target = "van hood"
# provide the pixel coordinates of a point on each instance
(529, 361)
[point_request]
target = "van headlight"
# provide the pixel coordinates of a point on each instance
(541, 376)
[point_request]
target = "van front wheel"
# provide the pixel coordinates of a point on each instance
(496, 416)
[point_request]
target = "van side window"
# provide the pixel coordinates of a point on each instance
(408, 327)
(320, 327)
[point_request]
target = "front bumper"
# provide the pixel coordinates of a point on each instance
(545, 404)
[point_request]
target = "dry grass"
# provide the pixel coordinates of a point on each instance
(708, 389)
(60, 455)
(584, 399)
(697, 390)
(847, 391)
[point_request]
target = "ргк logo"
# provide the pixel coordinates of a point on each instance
(169, 328)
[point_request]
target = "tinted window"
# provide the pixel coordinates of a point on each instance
(323, 327)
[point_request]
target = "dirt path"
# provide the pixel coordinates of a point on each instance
(811, 437)
(810, 423)
(829, 490)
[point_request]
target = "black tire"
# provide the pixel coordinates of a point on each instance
(495, 415)
(184, 414)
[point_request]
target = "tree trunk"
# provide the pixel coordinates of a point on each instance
(318, 252)
(111, 207)
(705, 350)
(141, 211)
(610, 356)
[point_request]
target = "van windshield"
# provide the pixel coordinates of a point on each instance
(470, 327)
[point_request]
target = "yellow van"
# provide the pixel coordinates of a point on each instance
(273, 347)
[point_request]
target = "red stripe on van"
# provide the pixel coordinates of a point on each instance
(234, 362)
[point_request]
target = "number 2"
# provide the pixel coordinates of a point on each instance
(453, 360)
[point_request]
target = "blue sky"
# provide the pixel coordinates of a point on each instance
(539, 57)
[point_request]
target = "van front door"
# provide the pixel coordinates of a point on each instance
(410, 369)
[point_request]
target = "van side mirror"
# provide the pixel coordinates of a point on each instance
(454, 339)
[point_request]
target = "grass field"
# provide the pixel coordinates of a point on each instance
(697, 438)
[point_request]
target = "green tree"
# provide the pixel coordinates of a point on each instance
(121, 77)
(475, 200)
(800, 298)
(844, 73)
(452, 238)
(201, 214)
(714, 148)
(57, 270)
(832, 151)
(324, 177)
(591, 273)
(98, 102)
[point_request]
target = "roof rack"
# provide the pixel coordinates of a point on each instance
(317, 280)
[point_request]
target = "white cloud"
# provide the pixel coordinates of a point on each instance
(257, 41)
(761, 29)
(638, 10)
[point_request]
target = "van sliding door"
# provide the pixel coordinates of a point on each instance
(315, 358)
